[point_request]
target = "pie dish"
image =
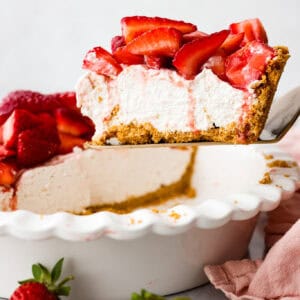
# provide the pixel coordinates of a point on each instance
(164, 247)
(166, 81)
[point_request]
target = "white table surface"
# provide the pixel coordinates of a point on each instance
(207, 291)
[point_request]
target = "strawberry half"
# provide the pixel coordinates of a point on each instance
(161, 41)
(117, 42)
(253, 29)
(68, 142)
(37, 145)
(102, 62)
(196, 35)
(248, 64)
(8, 174)
(136, 25)
(18, 121)
(232, 43)
(72, 122)
(156, 62)
(6, 153)
(123, 56)
(217, 64)
(67, 99)
(28, 100)
(191, 56)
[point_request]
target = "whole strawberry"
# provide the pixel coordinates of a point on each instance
(43, 285)
(33, 291)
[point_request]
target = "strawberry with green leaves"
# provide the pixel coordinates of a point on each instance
(44, 285)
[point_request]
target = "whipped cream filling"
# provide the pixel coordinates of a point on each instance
(161, 97)
(92, 177)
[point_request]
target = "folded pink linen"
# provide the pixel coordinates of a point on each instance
(278, 276)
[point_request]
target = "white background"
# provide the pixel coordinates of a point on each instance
(42, 43)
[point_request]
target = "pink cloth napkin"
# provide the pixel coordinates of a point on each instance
(278, 276)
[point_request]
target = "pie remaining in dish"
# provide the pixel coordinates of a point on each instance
(44, 168)
(166, 81)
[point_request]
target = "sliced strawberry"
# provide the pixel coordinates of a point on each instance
(217, 64)
(18, 121)
(8, 174)
(253, 29)
(125, 57)
(72, 122)
(191, 56)
(5, 153)
(196, 35)
(136, 25)
(68, 142)
(156, 62)
(67, 99)
(117, 42)
(100, 61)
(47, 119)
(232, 43)
(248, 64)
(31, 101)
(161, 41)
(37, 145)
(1, 134)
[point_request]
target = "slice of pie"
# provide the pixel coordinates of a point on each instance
(167, 82)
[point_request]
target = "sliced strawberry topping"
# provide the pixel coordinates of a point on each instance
(196, 35)
(217, 64)
(117, 42)
(6, 153)
(248, 64)
(123, 56)
(8, 173)
(161, 41)
(66, 99)
(253, 29)
(31, 101)
(37, 145)
(157, 62)
(190, 58)
(136, 25)
(18, 121)
(72, 122)
(232, 43)
(102, 62)
(68, 142)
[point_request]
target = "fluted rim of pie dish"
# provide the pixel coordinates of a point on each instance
(209, 214)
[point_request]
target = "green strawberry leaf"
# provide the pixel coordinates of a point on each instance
(37, 272)
(56, 271)
(66, 280)
(45, 277)
(135, 296)
(145, 295)
(63, 291)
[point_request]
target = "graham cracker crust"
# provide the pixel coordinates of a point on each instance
(182, 187)
(248, 131)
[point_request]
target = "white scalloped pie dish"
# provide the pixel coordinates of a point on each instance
(113, 255)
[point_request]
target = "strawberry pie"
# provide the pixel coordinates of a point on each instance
(44, 167)
(167, 81)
